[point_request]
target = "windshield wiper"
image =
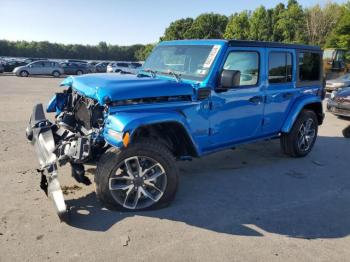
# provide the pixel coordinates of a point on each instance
(172, 73)
(152, 72)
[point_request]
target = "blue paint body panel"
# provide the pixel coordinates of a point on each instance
(219, 121)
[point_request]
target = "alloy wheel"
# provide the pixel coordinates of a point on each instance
(306, 135)
(138, 182)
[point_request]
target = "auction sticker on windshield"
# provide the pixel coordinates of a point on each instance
(214, 51)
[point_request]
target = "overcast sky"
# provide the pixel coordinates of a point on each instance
(115, 22)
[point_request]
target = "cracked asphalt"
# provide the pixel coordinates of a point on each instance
(248, 204)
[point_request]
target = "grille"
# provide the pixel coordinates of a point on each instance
(87, 112)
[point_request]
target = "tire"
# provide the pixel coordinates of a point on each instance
(346, 132)
(114, 160)
(79, 72)
(24, 73)
(56, 74)
(301, 138)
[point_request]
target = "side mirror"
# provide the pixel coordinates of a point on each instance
(229, 79)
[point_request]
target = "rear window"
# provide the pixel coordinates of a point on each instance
(280, 67)
(309, 66)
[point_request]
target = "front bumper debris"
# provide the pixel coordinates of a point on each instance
(39, 132)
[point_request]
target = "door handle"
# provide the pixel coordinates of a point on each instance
(256, 99)
(288, 95)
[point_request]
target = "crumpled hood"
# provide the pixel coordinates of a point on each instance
(121, 87)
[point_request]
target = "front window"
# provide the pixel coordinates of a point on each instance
(192, 62)
(247, 63)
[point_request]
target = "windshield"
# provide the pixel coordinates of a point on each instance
(190, 61)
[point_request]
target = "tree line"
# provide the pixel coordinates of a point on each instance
(45, 49)
(325, 26)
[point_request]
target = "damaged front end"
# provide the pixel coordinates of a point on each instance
(74, 138)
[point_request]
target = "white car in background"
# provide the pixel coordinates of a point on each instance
(124, 67)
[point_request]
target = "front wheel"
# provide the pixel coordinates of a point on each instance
(140, 177)
(301, 139)
(56, 74)
(24, 73)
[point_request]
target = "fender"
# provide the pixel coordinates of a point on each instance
(57, 103)
(297, 107)
(123, 122)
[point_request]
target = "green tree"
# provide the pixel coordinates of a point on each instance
(238, 26)
(340, 37)
(177, 29)
(277, 33)
(207, 26)
(142, 53)
(260, 25)
(291, 23)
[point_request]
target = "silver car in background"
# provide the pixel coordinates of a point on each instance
(44, 67)
(124, 67)
(338, 83)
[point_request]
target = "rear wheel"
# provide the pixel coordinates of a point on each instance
(140, 177)
(301, 139)
(79, 72)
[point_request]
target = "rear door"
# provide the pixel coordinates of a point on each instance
(48, 68)
(281, 90)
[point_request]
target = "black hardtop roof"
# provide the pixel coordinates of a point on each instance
(273, 45)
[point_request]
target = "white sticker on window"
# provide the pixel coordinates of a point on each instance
(214, 51)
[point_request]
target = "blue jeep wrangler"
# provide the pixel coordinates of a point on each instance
(190, 99)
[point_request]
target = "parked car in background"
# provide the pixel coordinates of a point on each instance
(45, 67)
(338, 83)
(124, 67)
(75, 68)
(92, 66)
(339, 105)
(9, 66)
(102, 67)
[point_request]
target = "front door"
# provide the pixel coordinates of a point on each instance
(36, 68)
(237, 113)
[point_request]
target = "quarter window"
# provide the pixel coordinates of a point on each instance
(280, 67)
(247, 63)
(309, 66)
